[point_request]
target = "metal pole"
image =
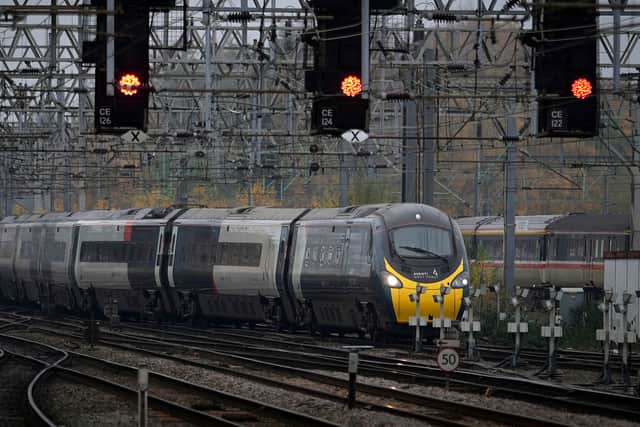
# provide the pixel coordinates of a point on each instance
(364, 48)
(111, 29)
(552, 339)
(635, 177)
(509, 205)
(409, 112)
(410, 153)
(476, 201)
(471, 342)
(353, 372)
(617, 11)
(429, 142)
(207, 64)
(606, 325)
(418, 342)
(143, 387)
(442, 331)
(516, 350)
(344, 175)
(625, 344)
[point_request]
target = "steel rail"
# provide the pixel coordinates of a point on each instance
(450, 407)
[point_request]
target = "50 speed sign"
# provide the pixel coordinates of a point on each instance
(448, 359)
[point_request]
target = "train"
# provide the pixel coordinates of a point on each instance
(326, 269)
(560, 250)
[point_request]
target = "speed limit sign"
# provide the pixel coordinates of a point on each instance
(448, 359)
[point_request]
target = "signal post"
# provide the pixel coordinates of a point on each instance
(121, 54)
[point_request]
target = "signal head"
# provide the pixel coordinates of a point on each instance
(581, 88)
(351, 85)
(129, 84)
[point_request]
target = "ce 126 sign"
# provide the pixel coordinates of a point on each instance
(448, 359)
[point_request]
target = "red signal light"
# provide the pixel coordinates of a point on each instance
(581, 88)
(351, 86)
(129, 84)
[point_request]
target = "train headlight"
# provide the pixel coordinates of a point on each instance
(390, 280)
(461, 281)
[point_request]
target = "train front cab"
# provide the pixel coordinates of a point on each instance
(427, 250)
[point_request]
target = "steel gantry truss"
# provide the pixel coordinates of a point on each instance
(229, 112)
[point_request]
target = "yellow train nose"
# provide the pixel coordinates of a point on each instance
(429, 308)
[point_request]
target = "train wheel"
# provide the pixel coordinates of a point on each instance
(371, 322)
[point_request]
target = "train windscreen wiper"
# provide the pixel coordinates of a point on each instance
(424, 251)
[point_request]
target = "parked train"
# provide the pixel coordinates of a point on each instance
(561, 250)
(342, 269)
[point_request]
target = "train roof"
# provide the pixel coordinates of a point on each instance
(591, 223)
(346, 212)
(548, 223)
(244, 213)
(204, 214)
(94, 215)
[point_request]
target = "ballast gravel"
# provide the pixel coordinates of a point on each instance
(328, 410)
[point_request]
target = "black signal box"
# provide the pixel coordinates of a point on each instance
(336, 114)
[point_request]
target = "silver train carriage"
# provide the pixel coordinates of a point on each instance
(561, 250)
(345, 269)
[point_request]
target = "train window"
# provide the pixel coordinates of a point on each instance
(469, 246)
(489, 248)
(617, 243)
(421, 241)
(528, 249)
(238, 254)
(111, 252)
(54, 251)
(26, 249)
(576, 249)
(140, 252)
(568, 248)
(6, 249)
(597, 249)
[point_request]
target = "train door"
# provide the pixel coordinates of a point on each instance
(245, 262)
(358, 258)
(171, 256)
(8, 246)
(596, 245)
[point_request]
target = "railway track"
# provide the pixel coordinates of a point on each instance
(15, 376)
(577, 398)
(171, 348)
(429, 409)
(111, 388)
(232, 346)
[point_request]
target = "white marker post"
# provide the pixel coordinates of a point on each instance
(143, 386)
(353, 370)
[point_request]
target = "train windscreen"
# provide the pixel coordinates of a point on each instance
(420, 241)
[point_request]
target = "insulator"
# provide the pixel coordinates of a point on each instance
(504, 79)
(443, 17)
(398, 96)
(239, 16)
(456, 67)
(510, 5)
(30, 71)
